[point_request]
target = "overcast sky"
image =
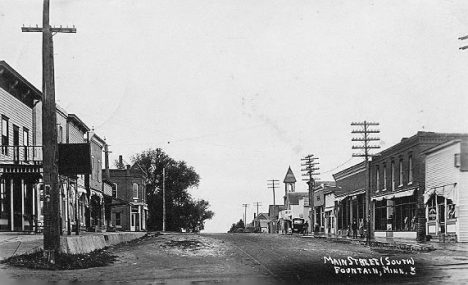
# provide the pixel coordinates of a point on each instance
(241, 90)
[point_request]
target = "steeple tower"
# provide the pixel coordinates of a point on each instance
(289, 183)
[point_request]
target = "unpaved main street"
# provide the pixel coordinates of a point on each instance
(261, 258)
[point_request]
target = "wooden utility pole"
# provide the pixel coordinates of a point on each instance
(245, 214)
(164, 199)
(309, 171)
(366, 139)
(271, 185)
(49, 136)
(257, 204)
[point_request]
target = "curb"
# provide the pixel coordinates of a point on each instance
(388, 245)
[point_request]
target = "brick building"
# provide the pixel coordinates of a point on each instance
(398, 183)
(129, 210)
(350, 196)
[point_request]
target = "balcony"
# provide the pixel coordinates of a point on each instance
(21, 155)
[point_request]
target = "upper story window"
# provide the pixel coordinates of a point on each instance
(60, 134)
(410, 169)
(392, 175)
(26, 143)
(400, 174)
(5, 136)
(114, 190)
(384, 178)
(135, 191)
(377, 178)
(25, 137)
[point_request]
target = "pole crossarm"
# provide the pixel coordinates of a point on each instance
(52, 29)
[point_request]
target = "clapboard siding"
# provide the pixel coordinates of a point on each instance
(19, 114)
(440, 167)
(463, 207)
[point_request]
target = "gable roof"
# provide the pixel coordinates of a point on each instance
(289, 178)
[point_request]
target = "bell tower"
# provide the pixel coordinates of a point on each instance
(289, 183)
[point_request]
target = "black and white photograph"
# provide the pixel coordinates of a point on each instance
(234, 142)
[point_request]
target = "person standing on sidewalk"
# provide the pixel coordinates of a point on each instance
(354, 227)
(361, 228)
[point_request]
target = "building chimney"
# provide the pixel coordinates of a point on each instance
(120, 162)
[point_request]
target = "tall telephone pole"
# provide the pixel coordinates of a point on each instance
(245, 214)
(366, 146)
(272, 184)
(49, 136)
(257, 204)
(309, 171)
(164, 199)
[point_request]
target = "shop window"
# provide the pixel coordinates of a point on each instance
(118, 221)
(451, 211)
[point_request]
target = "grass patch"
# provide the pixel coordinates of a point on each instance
(63, 261)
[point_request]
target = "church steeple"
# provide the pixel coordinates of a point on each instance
(289, 183)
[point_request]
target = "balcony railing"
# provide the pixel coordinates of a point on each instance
(18, 154)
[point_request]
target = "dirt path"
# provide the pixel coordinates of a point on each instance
(168, 257)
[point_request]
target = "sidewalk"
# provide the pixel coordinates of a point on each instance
(395, 243)
(24, 243)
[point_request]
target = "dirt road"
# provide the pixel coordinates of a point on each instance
(260, 258)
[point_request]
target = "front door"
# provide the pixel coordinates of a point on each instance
(133, 222)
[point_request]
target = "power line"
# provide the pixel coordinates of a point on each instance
(338, 165)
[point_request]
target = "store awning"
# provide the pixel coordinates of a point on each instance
(447, 191)
(401, 194)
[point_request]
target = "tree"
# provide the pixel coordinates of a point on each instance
(240, 225)
(182, 211)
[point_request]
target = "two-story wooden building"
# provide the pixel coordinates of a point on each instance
(20, 160)
(446, 193)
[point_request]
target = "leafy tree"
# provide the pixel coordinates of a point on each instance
(182, 211)
(239, 225)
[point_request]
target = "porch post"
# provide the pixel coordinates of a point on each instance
(23, 190)
(12, 220)
(34, 193)
(437, 214)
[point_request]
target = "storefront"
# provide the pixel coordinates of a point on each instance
(395, 214)
(441, 214)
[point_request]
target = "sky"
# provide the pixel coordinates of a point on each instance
(242, 90)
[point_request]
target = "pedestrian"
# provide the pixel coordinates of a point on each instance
(354, 227)
(361, 228)
(305, 230)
